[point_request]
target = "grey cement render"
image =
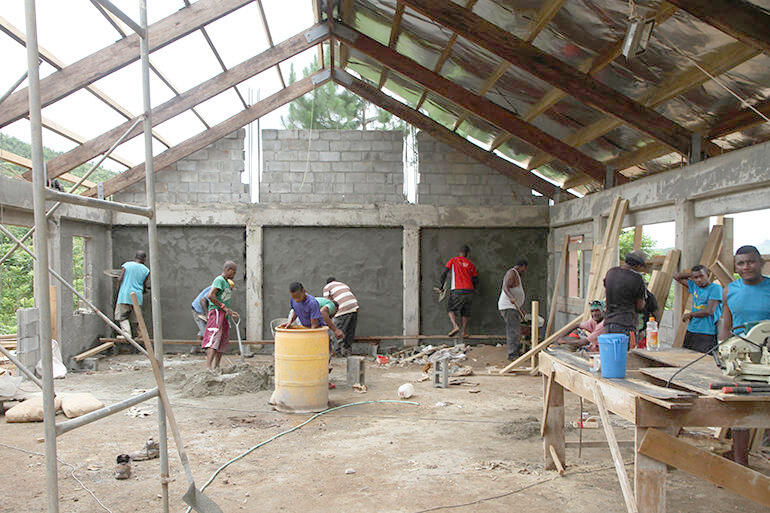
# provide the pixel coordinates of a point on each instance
(493, 251)
(210, 175)
(79, 329)
(449, 177)
(190, 257)
(367, 259)
(332, 166)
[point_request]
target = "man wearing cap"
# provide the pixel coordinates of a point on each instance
(626, 293)
(587, 334)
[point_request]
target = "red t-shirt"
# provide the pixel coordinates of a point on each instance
(462, 270)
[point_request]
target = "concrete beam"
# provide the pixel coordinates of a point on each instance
(345, 215)
(255, 318)
(717, 181)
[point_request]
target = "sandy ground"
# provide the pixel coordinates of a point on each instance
(477, 449)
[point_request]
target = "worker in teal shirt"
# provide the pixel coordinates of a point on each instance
(706, 309)
(133, 278)
(746, 300)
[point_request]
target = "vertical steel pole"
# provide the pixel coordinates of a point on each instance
(152, 237)
(42, 294)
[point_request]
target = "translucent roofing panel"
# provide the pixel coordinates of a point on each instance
(186, 62)
(239, 35)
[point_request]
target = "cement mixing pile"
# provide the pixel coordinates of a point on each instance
(236, 379)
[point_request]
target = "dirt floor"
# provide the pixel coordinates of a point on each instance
(481, 450)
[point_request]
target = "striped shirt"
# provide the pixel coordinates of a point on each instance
(340, 293)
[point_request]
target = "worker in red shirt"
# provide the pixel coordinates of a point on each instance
(464, 279)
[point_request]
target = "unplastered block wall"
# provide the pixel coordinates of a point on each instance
(210, 175)
(332, 166)
(451, 178)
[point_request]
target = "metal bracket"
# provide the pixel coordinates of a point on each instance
(100, 190)
(342, 77)
(344, 32)
(317, 33)
(321, 76)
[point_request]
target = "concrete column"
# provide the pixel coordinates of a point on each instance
(254, 304)
(411, 277)
(690, 238)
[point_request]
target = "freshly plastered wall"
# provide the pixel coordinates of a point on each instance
(493, 251)
(190, 258)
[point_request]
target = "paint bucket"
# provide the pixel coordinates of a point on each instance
(613, 348)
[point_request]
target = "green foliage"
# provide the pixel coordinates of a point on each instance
(16, 281)
(23, 149)
(78, 269)
(626, 243)
(330, 107)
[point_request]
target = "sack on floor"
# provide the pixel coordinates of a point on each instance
(77, 404)
(30, 410)
(59, 369)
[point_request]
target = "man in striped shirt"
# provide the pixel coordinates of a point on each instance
(347, 313)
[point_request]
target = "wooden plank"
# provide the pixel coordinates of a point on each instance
(443, 134)
(697, 378)
(638, 232)
(54, 302)
(705, 465)
(722, 274)
(557, 286)
(554, 71)
(737, 18)
(395, 31)
(534, 337)
(17, 160)
(69, 177)
(477, 104)
(705, 412)
(554, 431)
(172, 342)
(556, 460)
(545, 343)
(93, 351)
(708, 257)
(117, 55)
(625, 484)
(546, 403)
(593, 444)
(212, 135)
(717, 62)
(662, 285)
(188, 99)
(649, 479)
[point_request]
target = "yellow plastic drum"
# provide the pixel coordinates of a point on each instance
(301, 370)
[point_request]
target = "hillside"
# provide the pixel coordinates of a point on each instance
(23, 149)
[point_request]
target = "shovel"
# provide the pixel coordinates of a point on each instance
(238, 331)
(193, 497)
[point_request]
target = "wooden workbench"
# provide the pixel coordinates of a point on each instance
(660, 410)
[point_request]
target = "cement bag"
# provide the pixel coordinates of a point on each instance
(30, 410)
(77, 404)
(9, 385)
(59, 370)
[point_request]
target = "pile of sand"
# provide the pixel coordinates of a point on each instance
(236, 379)
(522, 429)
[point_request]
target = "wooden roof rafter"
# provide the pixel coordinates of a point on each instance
(554, 71)
(480, 106)
(546, 13)
(395, 31)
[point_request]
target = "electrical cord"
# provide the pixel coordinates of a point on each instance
(517, 490)
(308, 421)
(72, 468)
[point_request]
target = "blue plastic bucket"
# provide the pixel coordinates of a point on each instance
(613, 348)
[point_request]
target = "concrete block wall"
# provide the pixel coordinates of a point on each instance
(451, 178)
(210, 175)
(332, 166)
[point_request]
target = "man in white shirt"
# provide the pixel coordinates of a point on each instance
(511, 300)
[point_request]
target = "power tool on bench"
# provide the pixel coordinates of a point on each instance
(747, 357)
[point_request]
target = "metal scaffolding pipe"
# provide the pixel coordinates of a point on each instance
(152, 238)
(84, 201)
(13, 87)
(125, 18)
(42, 291)
(21, 367)
(69, 425)
(80, 296)
(74, 187)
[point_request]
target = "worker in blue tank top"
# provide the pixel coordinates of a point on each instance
(746, 300)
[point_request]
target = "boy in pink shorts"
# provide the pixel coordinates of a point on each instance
(217, 333)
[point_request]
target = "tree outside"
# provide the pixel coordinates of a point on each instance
(16, 281)
(626, 245)
(333, 107)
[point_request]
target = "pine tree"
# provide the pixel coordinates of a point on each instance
(330, 107)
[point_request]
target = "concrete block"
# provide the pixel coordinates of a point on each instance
(266, 197)
(276, 165)
(220, 187)
(270, 145)
(341, 166)
(319, 145)
(355, 178)
(287, 134)
(349, 135)
(328, 156)
(269, 134)
(306, 135)
(290, 198)
(298, 166)
(350, 156)
(277, 187)
(199, 155)
(457, 179)
(208, 176)
(361, 167)
(200, 187)
(320, 166)
(375, 178)
(356, 370)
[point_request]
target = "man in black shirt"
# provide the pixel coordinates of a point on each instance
(626, 294)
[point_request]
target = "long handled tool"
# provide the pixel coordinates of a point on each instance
(237, 322)
(193, 497)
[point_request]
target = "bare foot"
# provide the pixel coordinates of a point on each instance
(454, 332)
(466, 335)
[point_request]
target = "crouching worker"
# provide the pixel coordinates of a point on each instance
(587, 334)
(328, 310)
(217, 335)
